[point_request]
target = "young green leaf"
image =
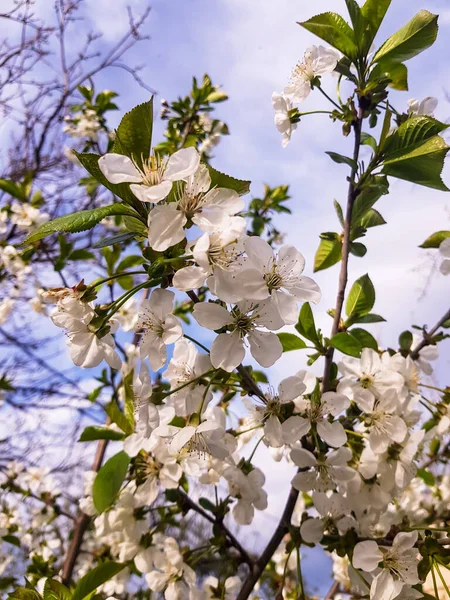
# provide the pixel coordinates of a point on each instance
(95, 432)
(346, 344)
(332, 28)
(134, 134)
(340, 159)
(405, 340)
(361, 297)
(435, 239)
(412, 132)
(370, 318)
(358, 249)
(290, 341)
(372, 191)
(365, 338)
(79, 221)
(219, 179)
(422, 165)
(54, 590)
(116, 415)
(415, 37)
(373, 12)
(328, 254)
(372, 218)
(109, 480)
(368, 140)
(340, 214)
(306, 326)
(396, 72)
(95, 578)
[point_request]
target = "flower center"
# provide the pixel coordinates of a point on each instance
(273, 279)
(152, 170)
(243, 323)
(365, 381)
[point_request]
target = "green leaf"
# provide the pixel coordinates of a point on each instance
(361, 297)
(207, 504)
(358, 249)
(217, 96)
(54, 590)
(370, 318)
(24, 593)
(426, 476)
(422, 165)
(328, 254)
(412, 132)
(81, 254)
(109, 480)
(415, 37)
(396, 72)
(114, 239)
(365, 338)
(405, 340)
(134, 134)
(11, 539)
(306, 326)
(373, 12)
(13, 189)
(368, 140)
(372, 191)
(95, 578)
(116, 415)
(435, 239)
(372, 218)
(340, 159)
(332, 28)
(346, 344)
(132, 260)
(219, 179)
(95, 432)
(79, 221)
(340, 214)
(290, 341)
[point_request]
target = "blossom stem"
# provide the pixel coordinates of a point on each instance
(199, 344)
(283, 579)
(444, 583)
(328, 97)
(255, 449)
(436, 593)
(300, 577)
(316, 112)
(116, 276)
(355, 433)
(427, 336)
(122, 299)
(247, 430)
(190, 382)
(432, 387)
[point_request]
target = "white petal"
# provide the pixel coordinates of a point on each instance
(311, 531)
(307, 290)
(366, 556)
(294, 428)
(290, 388)
(227, 351)
(182, 164)
(119, 169)
(286, 306)
(165, 227)
(444, 248)
(212, 316)
(265, 347)
(227, 200)
(303, 458)
(259, 252)
(273, 433)
(151, 193)
(189, 278)
(334, 403)
(332, 433)
(181, 438)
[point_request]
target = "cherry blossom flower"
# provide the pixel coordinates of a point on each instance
(330, 403)
(243, 321)
(317, 61)
(282, 106)
(185, 368)
(278, 277)
(399, 565)
(279, 430)
(205, 438)
(210, 210)
(248, 489)
(152, 181)
(425, 107)
(324, 473)
(159, 327)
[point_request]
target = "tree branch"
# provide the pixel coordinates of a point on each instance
(232, 539)
(428, 335)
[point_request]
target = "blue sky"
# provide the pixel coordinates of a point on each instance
(250, 47)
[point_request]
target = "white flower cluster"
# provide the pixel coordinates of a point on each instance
(85, 124)
(316, 62)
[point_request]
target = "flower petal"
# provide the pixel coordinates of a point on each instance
(118, 168)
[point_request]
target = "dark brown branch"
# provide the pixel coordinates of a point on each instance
(426, 340)
(232, 539)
